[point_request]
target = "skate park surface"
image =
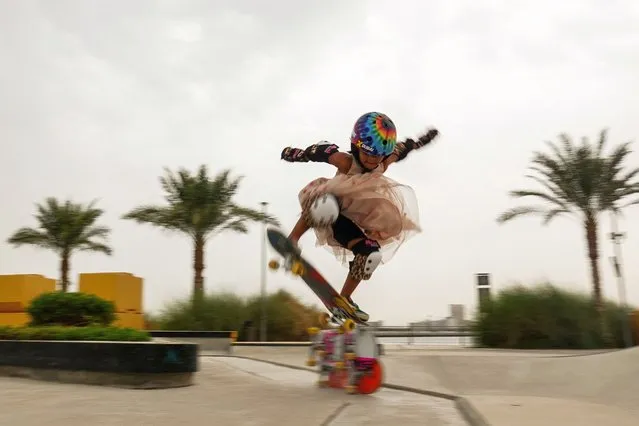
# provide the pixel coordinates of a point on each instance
(435, 386)
(509, 387)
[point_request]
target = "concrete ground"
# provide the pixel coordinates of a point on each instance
(522, 388)
(229, 391)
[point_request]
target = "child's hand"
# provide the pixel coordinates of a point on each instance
(294, 155)
(403, 148)
(426, 138)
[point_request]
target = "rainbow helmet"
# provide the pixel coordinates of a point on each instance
(375, 134)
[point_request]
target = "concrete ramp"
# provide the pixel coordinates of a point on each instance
(535, 387)
(610, 378)
(512, 387)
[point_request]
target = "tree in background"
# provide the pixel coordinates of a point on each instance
(64, 229)
(583, 181)
(199, 207)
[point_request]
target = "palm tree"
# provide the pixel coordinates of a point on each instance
(65, 228)
(199, 207)
(582, 181)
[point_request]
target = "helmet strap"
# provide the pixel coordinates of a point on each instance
(355, 153)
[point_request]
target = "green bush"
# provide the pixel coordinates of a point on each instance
(287, 318)
(70, 309)
(546, 317)
(90, 333)
(216, 311)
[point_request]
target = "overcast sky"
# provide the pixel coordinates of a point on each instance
(96, 97)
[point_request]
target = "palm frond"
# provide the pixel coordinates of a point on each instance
(199, 205)
(237, 225)
(95, 247)
(581, 178)
(551, 214)
(515, 212)
(34, 237)
(64, 227)
(96, 232)
(167, 217)
(538, 194)
(603, 136)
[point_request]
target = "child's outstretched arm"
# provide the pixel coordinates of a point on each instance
(403, 148)
(322, 152)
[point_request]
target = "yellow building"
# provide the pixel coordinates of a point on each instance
(122, 288)
(16, 293)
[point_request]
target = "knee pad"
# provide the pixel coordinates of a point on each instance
(322, 210)
(367, 259)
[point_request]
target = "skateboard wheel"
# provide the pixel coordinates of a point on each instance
(297, 268)
(349, 356)
(312, 331)
(350, 389)
(322, 383)
(371, 380)
(310, 362)
(339, 365)
(349, 325)
(274, 264)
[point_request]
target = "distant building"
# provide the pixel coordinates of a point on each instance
(455, 319)
(457, 313)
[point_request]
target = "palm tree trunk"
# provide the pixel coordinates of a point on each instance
(593, 254)
(198, 267)
(64, 271)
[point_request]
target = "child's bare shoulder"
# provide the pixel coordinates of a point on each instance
(342, 160)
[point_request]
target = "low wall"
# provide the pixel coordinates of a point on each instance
(140, 365)
(213, 341)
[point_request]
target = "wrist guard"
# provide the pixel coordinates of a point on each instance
(403, 148)
(320, 153)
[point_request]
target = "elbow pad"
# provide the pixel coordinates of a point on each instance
(320, 152)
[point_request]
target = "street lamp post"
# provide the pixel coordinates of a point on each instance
(263, 278)
(617, 263)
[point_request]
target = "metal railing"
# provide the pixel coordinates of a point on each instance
(428, 335)
(463, 334)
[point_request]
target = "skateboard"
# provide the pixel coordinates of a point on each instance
(341, 312)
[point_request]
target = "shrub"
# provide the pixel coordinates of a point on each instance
(545, 317)
(70, 309)
(215, 311)
(90, 333)
(287, 318)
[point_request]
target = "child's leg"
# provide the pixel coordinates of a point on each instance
(367, 257)
(351, 282)
(349, 286)
(299, 229)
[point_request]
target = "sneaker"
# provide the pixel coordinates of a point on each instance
(360, 314)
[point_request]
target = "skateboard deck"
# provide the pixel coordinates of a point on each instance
(339, 308)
